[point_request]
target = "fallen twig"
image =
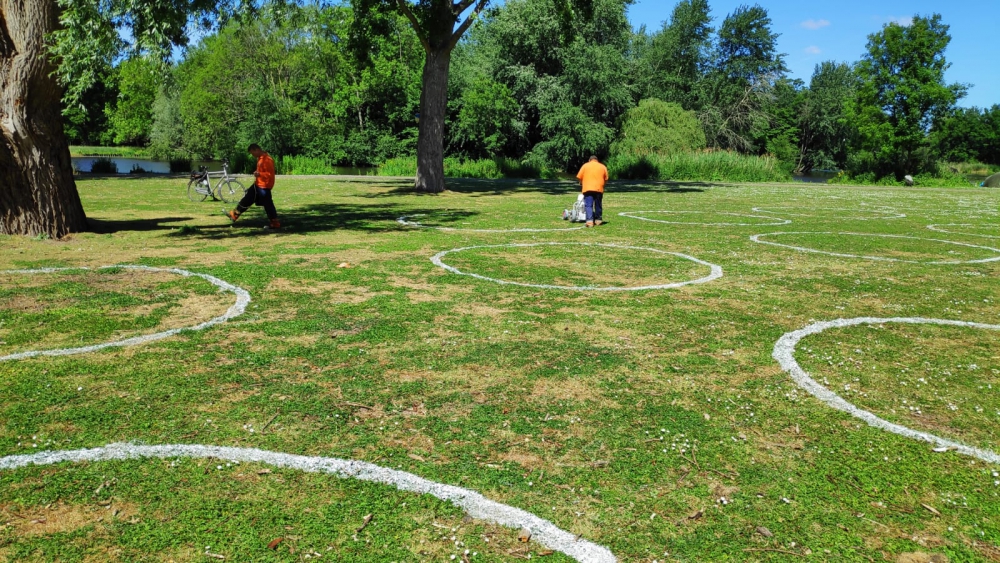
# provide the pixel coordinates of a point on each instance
(268, 423)
(785, 551)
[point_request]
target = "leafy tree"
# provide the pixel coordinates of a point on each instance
(658, 127)
(166, 136)
(130, 115)
(968, 134)
(676, 59)
(739, 88)
(440, 25)
(825, 129)
(901, 94)
(76, 39)
(486, 122)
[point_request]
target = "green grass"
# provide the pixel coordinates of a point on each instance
(709, 166)
(303, 165)
(128, 152)
(617, 416)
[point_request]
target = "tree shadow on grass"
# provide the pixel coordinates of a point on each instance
(322, 217)
(504, 186)
(105, 226)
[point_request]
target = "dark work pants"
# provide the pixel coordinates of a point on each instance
(592, 203)
(261, 197)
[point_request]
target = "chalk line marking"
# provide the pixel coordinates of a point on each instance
(405, 221)
(237, 309)
(716, 271)
(476, 505)
(784, 353)
(940, 230)
(757, 238)
(884, 214)
(634, 215)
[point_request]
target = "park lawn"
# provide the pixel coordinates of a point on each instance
(654, 423)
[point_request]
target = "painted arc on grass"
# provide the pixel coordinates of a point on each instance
(965, 225)
(237, 309)
(405, 221)
(784, 353)
(635, 215)
(476, 505)
(716, 271)
(757, 238)
(882, 213)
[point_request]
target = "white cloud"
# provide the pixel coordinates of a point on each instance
(815, 24)
(813, 50)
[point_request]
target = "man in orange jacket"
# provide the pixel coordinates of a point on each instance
(593, 176)
(260, 191)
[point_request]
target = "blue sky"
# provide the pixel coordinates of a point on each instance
(813, 31)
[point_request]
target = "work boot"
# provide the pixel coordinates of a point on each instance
(275, 225)
(598, 222)
(233, 215)
(590, 223)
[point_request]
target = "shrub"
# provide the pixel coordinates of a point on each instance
(657, 127)
(302, 165)
(712, 166)
(458, 168)
(136, 169)
(104, 165)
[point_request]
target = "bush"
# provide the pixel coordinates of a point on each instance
(302, 165)
(458, 168)
(104, 165)
(657, 127)
(136, 169)
(709, 166)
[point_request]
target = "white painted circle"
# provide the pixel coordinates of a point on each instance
(757, 238)
(635, 215)
(476, 505)
(237, 309)
(716, 271)
(940, 230)
(784, 353)
(405, 221)
(885, 214)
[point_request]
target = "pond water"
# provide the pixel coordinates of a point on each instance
(125, 165)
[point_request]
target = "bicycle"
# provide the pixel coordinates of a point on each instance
(228, 189)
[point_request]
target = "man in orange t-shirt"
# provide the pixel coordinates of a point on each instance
(260, 192)
(593, 176)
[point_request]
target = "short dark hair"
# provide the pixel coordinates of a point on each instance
(593, 157)
(253, 146)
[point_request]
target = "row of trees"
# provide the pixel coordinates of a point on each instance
(522, 86)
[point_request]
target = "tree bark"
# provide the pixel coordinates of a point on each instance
(37, 192)
(433, 108)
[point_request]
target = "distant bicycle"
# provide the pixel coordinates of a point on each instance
(228, 189)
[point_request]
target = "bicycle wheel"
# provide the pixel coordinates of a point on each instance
(198, 189)
(231, 191)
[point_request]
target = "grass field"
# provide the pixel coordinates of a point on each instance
(653, 423)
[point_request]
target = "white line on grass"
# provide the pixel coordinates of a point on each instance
(884, 214)
(784, 353)
(237, 309)
(757, 238)
(634, 215)
(405, 220)
(940, 230)
(716, 271)
(476, 505)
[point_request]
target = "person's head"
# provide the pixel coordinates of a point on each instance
(593, 158)
(255, 150)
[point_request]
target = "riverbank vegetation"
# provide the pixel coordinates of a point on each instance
(702, 98)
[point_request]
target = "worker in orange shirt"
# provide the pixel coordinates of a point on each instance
(260, 191)
(593, 175)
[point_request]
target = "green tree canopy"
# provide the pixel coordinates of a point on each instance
(658, 127)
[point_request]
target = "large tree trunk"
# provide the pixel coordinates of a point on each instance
(37, 191)
(433, 107)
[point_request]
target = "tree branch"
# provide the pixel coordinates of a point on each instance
(468, 21)
(403, 7)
